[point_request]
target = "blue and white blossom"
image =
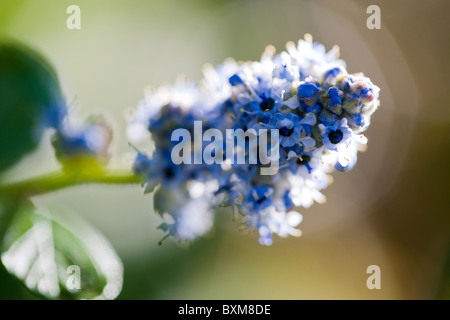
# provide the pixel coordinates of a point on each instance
(318, 108)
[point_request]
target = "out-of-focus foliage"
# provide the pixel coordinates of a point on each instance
(28, 86)
(60, 257)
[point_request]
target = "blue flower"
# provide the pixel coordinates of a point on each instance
(330, 77)
(235, 80)
(297, 161)
(262, 100)
(332, 100)
(289, 128)
(328, 118)
(141, 164)
(308, 92)
(336, 136)
(284, 69)
(259, 198)
(160, 169)
(228, 189)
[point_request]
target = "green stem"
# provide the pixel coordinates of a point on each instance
(60, 180)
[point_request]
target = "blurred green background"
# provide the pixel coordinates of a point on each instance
(392, 210)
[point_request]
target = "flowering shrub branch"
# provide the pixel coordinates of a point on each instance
(302, 100)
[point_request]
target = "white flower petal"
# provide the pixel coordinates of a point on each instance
(308, 142)
(294, 218)
(309, 119)
(292, 103)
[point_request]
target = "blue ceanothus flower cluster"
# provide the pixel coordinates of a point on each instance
(305, 92)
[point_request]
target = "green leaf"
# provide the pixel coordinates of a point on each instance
(61, 257)
(28, 87)
(8, 205)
